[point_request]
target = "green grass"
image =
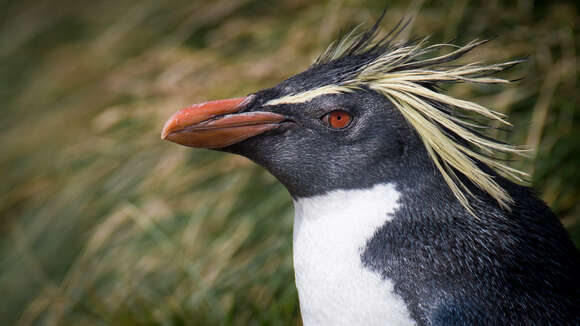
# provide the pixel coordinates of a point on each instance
(103, 223)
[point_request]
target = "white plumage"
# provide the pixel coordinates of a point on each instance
(330, 232)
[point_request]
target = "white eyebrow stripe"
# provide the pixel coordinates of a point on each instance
(309, 95)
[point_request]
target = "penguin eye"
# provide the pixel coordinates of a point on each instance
(337, 119)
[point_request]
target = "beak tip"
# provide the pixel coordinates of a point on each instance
(165, 131)
(164, 134)
(170, 125)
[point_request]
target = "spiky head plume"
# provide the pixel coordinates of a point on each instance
(407, 74)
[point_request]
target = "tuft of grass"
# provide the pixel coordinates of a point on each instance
(102, 223)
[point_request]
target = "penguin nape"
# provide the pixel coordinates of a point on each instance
(404, 209)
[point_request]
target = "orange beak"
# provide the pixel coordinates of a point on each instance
(218, 124)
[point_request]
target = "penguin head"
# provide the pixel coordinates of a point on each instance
(367, 111)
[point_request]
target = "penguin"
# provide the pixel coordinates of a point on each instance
(405, 212)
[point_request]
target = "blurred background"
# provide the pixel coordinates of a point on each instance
(103, 223)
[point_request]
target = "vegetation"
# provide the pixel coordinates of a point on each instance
(103, 223)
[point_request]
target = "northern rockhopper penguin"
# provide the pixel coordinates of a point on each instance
(404, 212)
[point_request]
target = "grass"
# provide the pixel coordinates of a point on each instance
(102, 223)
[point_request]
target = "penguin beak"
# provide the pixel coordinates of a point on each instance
(218, 124)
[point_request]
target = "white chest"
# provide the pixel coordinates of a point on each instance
(330, 233)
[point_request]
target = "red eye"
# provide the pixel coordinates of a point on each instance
(337, 119)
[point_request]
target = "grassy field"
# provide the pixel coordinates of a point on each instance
(103, 223)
